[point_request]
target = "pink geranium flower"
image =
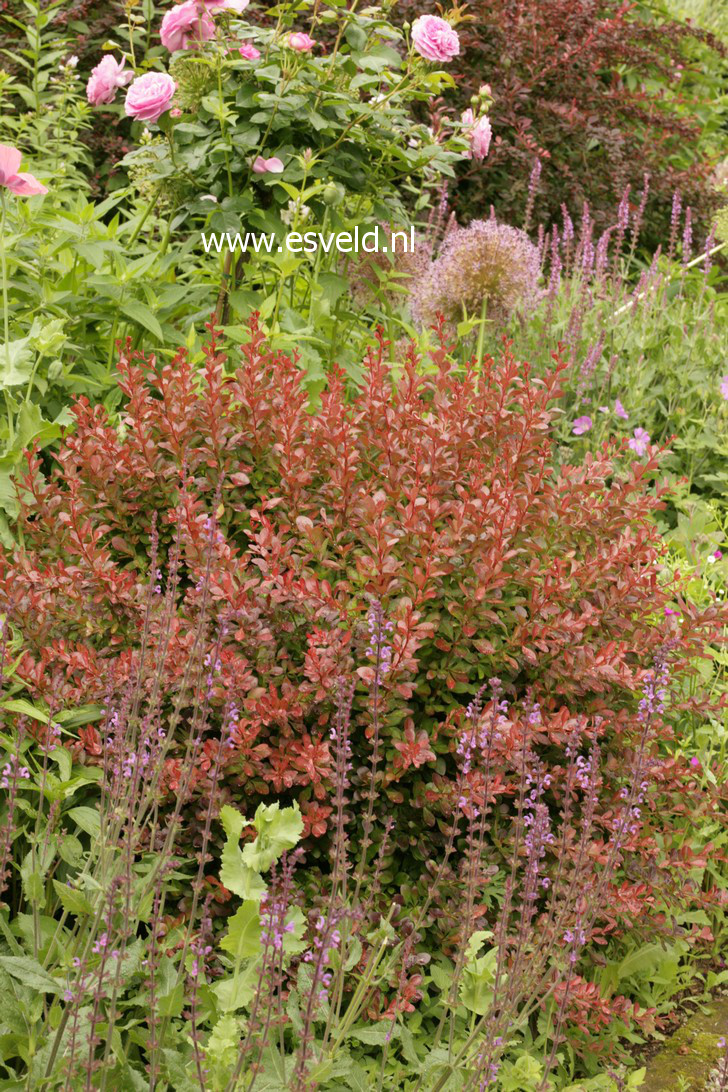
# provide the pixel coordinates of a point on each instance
(724, 387)
(268, 166)
(249, 52)
(186, 26)
(434, 39)
(581, 425)
(20, 182)
(149, 96)
(302, 43)
(478, 133)
(106, 79)
(640, 440)
(620, 410)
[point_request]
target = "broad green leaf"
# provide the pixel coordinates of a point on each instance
(72, 900)
(278, 830)
(87, 819)
(140, 313)
(243, 935)
(30, 973)
(16, 363)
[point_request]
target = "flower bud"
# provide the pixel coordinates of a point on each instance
(333, 194)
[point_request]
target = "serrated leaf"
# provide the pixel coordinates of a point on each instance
(243, 936)
(30, 973)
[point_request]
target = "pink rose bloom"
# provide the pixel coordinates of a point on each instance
(238, 6)
(581, 425)
(302, 43)
(434, 39)
(106, 79)
(620, 411)
(639, 441)
(478, 133)
(186, 26)
(265, 166)
(249, 52)
(149, 96)
(724, 387)
(20, 182)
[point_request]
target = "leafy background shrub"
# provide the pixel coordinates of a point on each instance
(601, 93)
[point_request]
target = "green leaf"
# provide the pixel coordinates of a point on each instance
(238, 991)
(476, 984)
(16, 363)
(26, 709)
(73, 901)
(30, 973)
(234, 873)
(243, 935)
(278, 830)
(140, 313)
(375, 1034)
(87, 819)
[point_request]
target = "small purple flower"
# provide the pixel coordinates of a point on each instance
(695, 763)
(639, 441)
(724, 387)
(581, 425)
(620, 411)
(717, 555)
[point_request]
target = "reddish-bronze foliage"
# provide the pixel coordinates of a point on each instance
(435, 491)
(602, 91)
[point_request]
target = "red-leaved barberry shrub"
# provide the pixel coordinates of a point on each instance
(602, 92)
(435, 491)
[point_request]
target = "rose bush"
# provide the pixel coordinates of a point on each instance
(270, 128)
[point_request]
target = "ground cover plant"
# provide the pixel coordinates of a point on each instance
(362, 615)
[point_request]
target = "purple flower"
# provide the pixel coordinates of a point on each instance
(717, 554)
(484, 261)
(581, 425)
(724, 387)
(620, 411)
(639, 441)
(695, 763)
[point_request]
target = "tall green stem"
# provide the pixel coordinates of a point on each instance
(481, 331)
(6, 315)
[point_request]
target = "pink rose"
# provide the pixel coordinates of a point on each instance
(478, 133)
(238, 6)
(302, 43)
(149, 96)
(186, 26)
(106, 79)
(249, 52)
(264, 166)
(20, 182)
(434, 39)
